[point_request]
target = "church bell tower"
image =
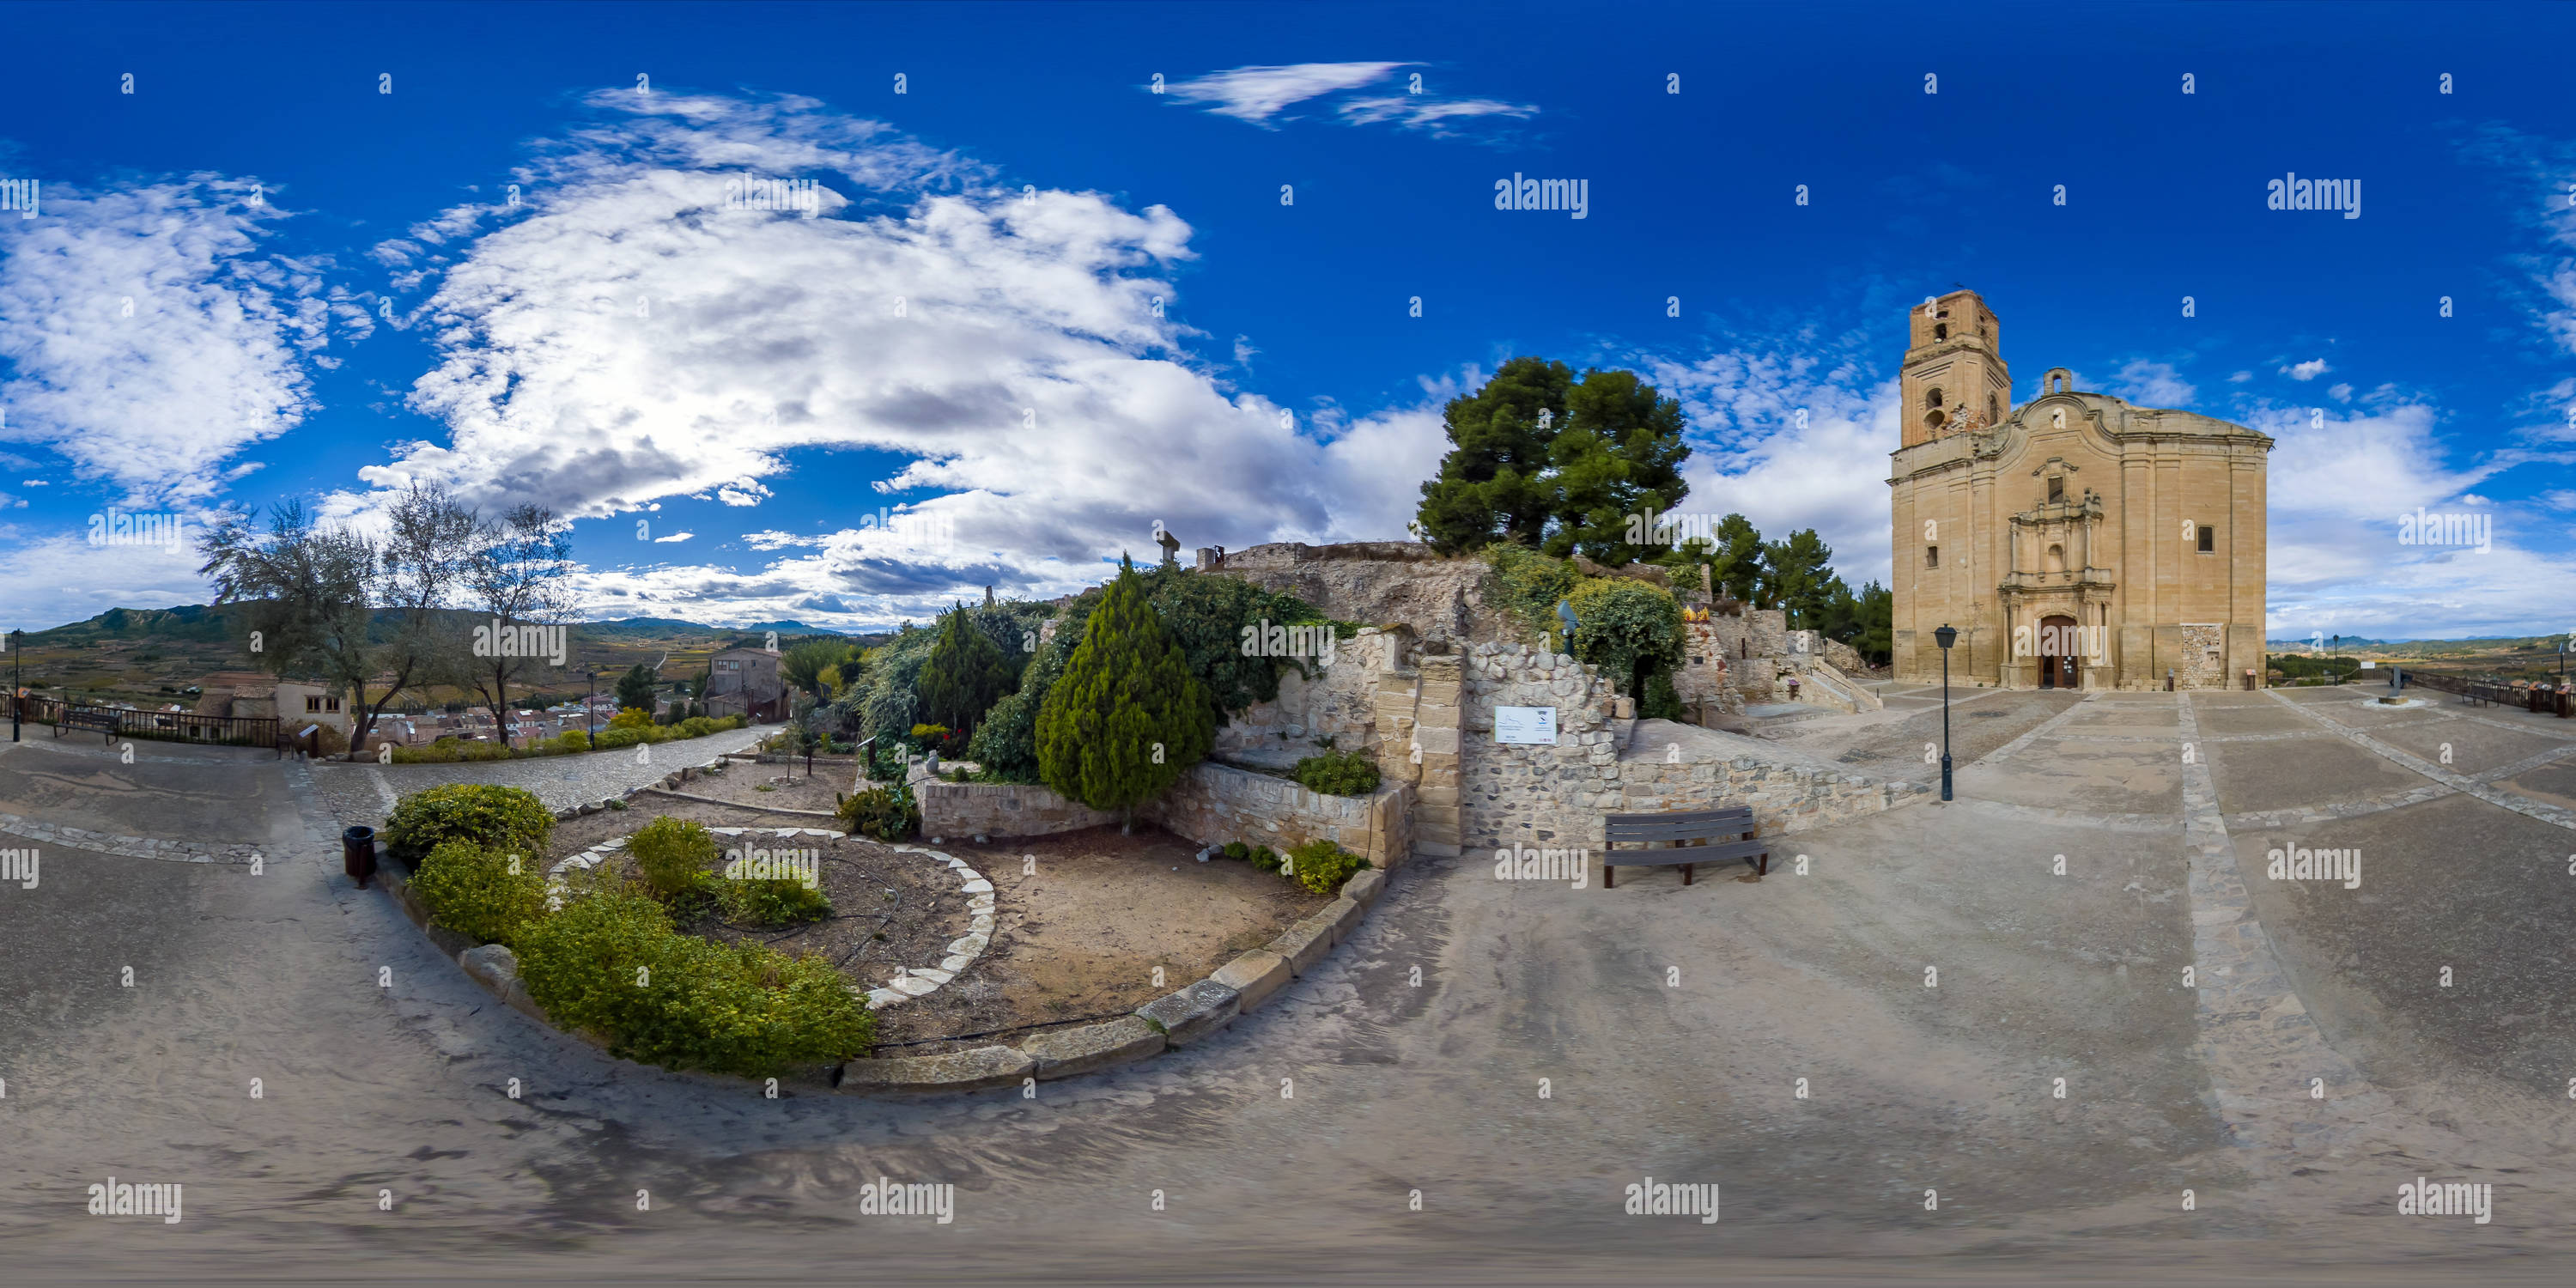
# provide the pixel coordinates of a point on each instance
(1954, 378)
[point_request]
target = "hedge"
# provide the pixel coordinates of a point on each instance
(485, 893)
(507, 819)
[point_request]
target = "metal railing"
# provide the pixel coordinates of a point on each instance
(2535, 698)
(163, 726)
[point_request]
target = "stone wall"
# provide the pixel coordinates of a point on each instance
(999, 809)
(1374, 582)
(1339, 702)
(1606, 763)
(1214, 804)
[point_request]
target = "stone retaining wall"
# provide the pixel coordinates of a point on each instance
(1213, 804)
(999, 809)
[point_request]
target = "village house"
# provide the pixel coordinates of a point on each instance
(745, 682)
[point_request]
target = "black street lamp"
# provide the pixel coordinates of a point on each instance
(17, 690)
(1946, 636)
(590, 706)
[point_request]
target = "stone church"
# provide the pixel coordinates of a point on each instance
(2075, 541)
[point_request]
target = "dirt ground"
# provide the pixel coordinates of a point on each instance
(1078, 938)
(788, 786)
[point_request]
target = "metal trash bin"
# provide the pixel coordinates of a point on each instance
(358, 854)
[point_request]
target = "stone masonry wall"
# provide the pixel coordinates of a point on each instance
(1213, 804)
(999, 809)
(1603, 764)
(1374, 582)
(1340, 703)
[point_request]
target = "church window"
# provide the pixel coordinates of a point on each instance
(1933, 419)
(2208, 539)
(2056, 559)
(1931, 556)
(2057, 489)
(1932, 399)
(1940, 330)
(1994, 412)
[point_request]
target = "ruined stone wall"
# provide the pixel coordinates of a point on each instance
(1339, 702)
(998, 809)
(1374, 583)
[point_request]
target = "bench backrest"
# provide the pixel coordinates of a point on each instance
(1637, 829)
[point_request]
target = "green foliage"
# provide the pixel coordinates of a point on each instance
(1733, 556)
(1337, 773)
(1527, 585)
(1796, 578)
(631, 718)
(2300, 666)
(635, 688)
(672, 854)
(1207, 617)
(770, 902)
(612, 963)
(1611, 447)
(1628, 630)
(569, 741)
(1264, 858)
(1619, 453)
(506, 819)
(804, 662)
(1494, 485)
(1237, 851)
(1127, 717)
(475, 891)
(965, 674)
(1321, 866)
(1661, 703)
(887, 813)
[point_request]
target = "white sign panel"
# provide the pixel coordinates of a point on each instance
(1525, 724)
(2370, 666)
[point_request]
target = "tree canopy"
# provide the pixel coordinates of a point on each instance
(1554, 463)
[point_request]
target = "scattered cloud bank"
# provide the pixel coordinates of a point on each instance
(1263, 96)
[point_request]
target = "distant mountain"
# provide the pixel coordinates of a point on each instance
(206, 623)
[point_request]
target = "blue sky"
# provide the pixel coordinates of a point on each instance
(334, 289)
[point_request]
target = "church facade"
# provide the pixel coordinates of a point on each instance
(2075, 541)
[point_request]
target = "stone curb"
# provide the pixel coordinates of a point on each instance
(1181, 1018)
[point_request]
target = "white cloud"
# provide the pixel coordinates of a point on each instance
(2308, 370)
(1256, 94)
(676, 536)
(2240, 377)
(2153, 384)
(151, 335)
(2340, 393)
(1418, 112)
(1045, 410)
(48, 578)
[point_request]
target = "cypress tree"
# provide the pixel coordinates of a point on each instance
(1127, 717)
(964, 675)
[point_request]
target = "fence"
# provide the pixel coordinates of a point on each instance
(164, 726)
(2536, 699)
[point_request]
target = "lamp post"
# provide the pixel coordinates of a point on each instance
(1946, 636)
(17, 691)
(590, 707)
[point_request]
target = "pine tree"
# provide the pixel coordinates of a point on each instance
(1127, 717)
(964, 675)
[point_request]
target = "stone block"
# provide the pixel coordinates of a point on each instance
(1364, 887)
(1342, 914)
(1193, 1012)
(449, 942)
(1092, 1047)
(1255, 975)
(1303, 944)
(493, 965)
(983, 1067)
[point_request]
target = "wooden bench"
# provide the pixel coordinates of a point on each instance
(1700, 826)
(87, 718)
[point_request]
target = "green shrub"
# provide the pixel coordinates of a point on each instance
(484, 893)
(1127, 718)
(1237, 851)
(569, 741)
(507, 819)
(1321, 866)
(1629, 631)
(611, 962)
(887, 813)
(672, 854)
(1265, 858)
(770, 902)
(1338, 773)
(1661, 703)
(1527, 585)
